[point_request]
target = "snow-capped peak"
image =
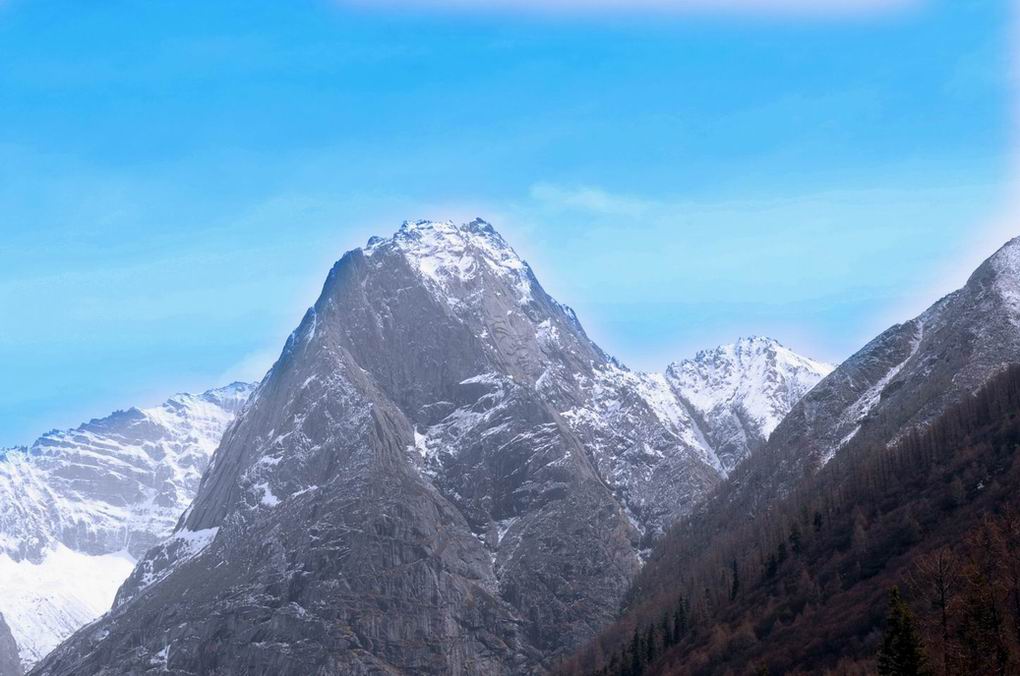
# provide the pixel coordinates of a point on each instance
(753, 383)
(452, 257)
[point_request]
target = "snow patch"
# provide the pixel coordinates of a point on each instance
(421, 443)
(194, 541)
(450, 258)
(267, 498)
(864, 405)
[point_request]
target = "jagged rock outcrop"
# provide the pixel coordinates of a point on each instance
(78, 507)
(441, 474)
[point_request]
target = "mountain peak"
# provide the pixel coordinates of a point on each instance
(1004, 262)
(746, 388)
(751, 348)
(435, 416)
(753, 345)
(453, 258)
(449, 229)
(999, 276)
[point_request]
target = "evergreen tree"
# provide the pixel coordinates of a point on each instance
(667, 634)
(651, 646)
(901, 653)
(680, 622)
(795, 539)
(637, 661)
(735, 586)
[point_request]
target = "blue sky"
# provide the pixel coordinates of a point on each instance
(177, 177)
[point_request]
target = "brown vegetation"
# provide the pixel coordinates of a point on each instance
(803, 587)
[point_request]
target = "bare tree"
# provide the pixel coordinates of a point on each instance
(935, 578)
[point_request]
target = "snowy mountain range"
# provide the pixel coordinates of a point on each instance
(79, 507)
(442, 445)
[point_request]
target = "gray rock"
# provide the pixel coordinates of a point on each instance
(10, 661)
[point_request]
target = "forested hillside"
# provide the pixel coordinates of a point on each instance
(805, 587)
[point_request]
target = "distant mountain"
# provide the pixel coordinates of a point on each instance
(442, 473)
(740, 392)
(78, 507)
(893, 388)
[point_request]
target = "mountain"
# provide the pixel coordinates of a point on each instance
(441, 473)
(84, 504)
(894, 387)
(806, 588)
(902, 379)
(739, 393)
(10, 662)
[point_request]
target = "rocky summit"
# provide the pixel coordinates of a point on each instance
(440, 474)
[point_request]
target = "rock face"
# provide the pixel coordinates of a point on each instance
(78, 507)
(903, 378)
(440, 474)
(10, 662)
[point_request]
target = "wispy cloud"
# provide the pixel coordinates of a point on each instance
(590, 199)
(806, 8)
